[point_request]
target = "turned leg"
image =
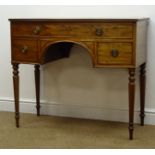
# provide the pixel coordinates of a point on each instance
(16, 92)
(142, 92)
(37, 86)
(131, 101)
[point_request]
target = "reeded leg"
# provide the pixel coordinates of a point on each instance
(37, 86)
(16, 92)
(142, 92)
(131, 101)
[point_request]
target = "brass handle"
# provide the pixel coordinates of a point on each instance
(114, 53)
(37, 30)
(24, 49)
(99, 31)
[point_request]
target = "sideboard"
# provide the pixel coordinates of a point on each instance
(113, 43)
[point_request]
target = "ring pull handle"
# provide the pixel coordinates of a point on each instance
(24, 49)
(37, 30)
(114, 53)
(99, 31)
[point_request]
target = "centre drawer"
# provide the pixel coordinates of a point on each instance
(82, 30)
(114, 53)
(24, 50)
(88, 30)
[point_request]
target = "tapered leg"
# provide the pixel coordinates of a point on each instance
(16, 92)
(37, 86)
(131, 101)
(142, 92)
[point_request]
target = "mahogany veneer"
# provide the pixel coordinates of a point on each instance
(119, 43)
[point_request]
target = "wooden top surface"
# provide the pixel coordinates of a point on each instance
(77, 20)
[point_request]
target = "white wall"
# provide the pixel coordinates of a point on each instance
(71, 87)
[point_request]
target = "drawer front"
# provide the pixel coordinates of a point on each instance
(24, 50)
(25, 29)
(84, 30)
(87, 30)
(114, 53)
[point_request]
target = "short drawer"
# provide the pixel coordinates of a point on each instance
(24, 50)
(114, 53)
(25, 29)
(82, 30)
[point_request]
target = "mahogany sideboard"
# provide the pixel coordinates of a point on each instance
(117, 43)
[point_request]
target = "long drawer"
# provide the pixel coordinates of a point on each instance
(82, 30)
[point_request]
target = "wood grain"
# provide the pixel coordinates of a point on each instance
(110, 43)
(104, 53)
(84, 30)
(29, 55)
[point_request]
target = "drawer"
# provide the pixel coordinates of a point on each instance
(114, 53)
(88, 30)
(24, 50)
(84, 30)
(25, 29)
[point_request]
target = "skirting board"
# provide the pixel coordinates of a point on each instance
(75, 111)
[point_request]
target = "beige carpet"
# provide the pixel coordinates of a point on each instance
(60, 132)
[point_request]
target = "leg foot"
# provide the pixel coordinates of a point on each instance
(142, 92)
(16, 92)
(131, 101)
(37, 86)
